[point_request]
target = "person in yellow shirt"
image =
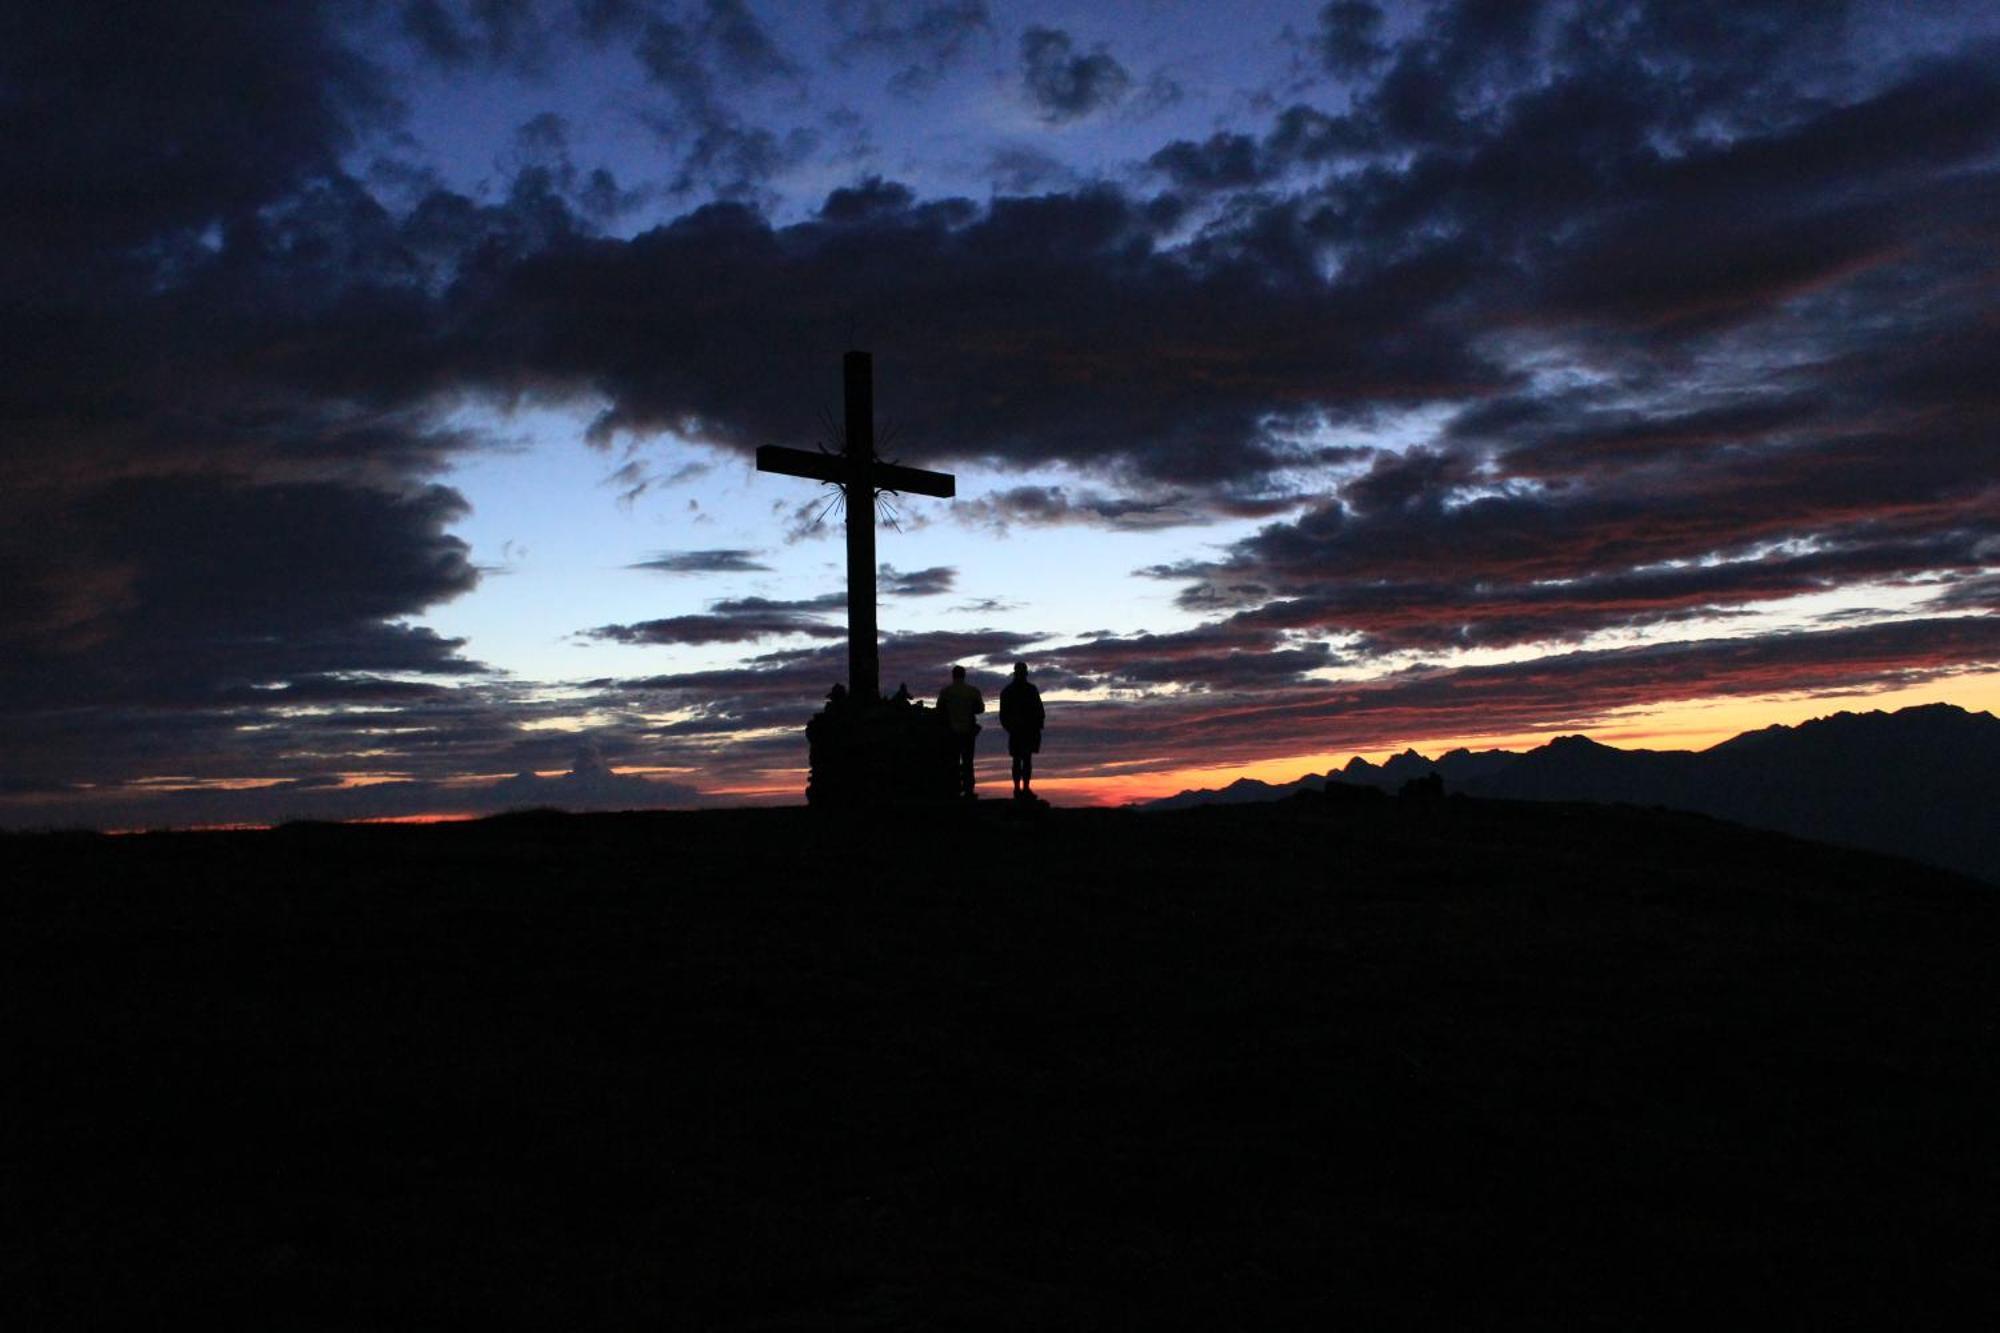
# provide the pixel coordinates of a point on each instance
(961, 703)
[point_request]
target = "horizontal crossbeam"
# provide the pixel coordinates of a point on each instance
(914, 481)
(838, 469)
(803, 463)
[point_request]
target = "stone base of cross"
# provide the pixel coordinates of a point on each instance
(883, 752)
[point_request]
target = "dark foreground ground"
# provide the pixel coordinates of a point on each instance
(1226, 1068)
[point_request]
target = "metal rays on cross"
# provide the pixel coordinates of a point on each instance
(861, 477)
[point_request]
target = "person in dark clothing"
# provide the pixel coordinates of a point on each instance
(960, 702)
(1021, 716)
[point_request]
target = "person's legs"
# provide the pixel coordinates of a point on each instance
(965, 744)
(1016, 773)
(1027, 767)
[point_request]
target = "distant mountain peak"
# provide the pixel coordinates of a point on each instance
(1915, 713)
(1916, 782)
(1905, 725)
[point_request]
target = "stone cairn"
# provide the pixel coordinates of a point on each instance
(880, 752)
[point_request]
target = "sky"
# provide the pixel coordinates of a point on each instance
(380, 379)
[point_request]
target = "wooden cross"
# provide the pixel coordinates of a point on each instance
(861, 475)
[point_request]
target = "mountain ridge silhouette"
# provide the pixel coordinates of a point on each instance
(1915, 782)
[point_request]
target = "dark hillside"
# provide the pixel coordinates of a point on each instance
(1238, 1067)
(1924, 778)
(1576, 768)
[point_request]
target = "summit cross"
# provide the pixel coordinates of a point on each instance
(861, 476)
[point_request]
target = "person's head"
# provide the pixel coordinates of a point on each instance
(958, 673)
(1020, 668)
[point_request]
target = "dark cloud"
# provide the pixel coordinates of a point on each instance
(1030, 330)
(589, 784)
(1413, 555)
(917, 582)
(1157, 93)
(748, 621)
(515, 33)
(1431, 615)
(126, 125)
(1049, 506)
(723, 46)
(724, 561)
(1429, 94)
(914, 658)
(542, 154)
(167, 599)
(1064, 85)
(872, 200)
(435, 30)
(1572, 691)
(684, 50)
(672, 58)
(1978, 593)
(1226, 160)
(308, 727)
(1305, 134)
(747, 49)
(1301, 139)
(603, 20)
(1021, 169)
(217, 510)
(926, 38)
(757, 606)
(1666, 488)
(1220, 657)
(1349, 39)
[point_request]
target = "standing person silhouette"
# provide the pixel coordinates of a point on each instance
(960, 702)
(1021, 716)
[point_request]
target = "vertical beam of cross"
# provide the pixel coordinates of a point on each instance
(859, 474)
(864, 666)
